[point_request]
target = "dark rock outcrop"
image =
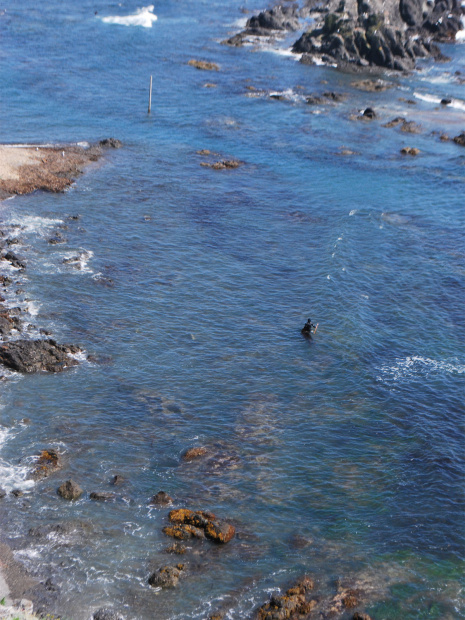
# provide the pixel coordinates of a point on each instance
(161, 499)
(390, 33)
(102, 496)
(108, 143)
(460, 139)
(14, 260)
(70, 490)
(37, 355)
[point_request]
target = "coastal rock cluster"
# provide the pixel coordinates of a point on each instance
(363, 33)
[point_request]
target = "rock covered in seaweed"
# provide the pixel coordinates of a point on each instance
(293, 604)
(48, 462)
(198, 524)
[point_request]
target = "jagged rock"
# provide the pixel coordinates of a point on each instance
(460, 139)
(277, 18)
(37, 355)
(369, 113)
(215, 529)
(161, 499)
(117, 480)
(166, 577)
(17, 492)
(48, 462)
(70, 490)
(7, 323)
(109, 143)
(293, 604)
(14, 260)
(104, 613)
(409, 150)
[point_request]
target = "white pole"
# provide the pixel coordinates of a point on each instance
(150, 96)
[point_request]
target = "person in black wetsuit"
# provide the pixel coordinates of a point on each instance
(308, 329)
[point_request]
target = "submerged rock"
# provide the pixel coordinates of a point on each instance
(204, 65)
(102, 496)
(194, 453)
(161, 499)
(105, 613)
(166, 577)
(70, 490)
(410, 150)
(224, 164)
(37, 355)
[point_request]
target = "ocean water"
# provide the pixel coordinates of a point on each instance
(342, 457)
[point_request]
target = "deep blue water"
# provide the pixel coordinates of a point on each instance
(343, 457)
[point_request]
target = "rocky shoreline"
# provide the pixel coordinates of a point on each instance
(25, 169)
(361, 34)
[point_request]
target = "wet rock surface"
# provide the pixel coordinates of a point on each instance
(48, 462)
(460, 139)
(295, 603)
(30, 356)
(102, 496)
(161, 499)
(197, 524)
(166, 577)
(70, 490)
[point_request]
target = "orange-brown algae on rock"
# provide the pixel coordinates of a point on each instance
(204, 65)
(48, 462)
(293, 604)
(224, 164)
(220, 531)
(183, 531)
(194, 453)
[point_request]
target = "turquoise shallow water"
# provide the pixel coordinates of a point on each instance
(342, 457)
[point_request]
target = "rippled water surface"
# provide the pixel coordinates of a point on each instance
(342, 457)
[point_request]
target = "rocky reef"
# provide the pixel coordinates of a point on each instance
(392, 34)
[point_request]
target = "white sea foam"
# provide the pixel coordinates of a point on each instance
(280, 51)
(12, 476)
(353, 212)
(418, 366)
(454, 103)
(33, 223)
(142, 17)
